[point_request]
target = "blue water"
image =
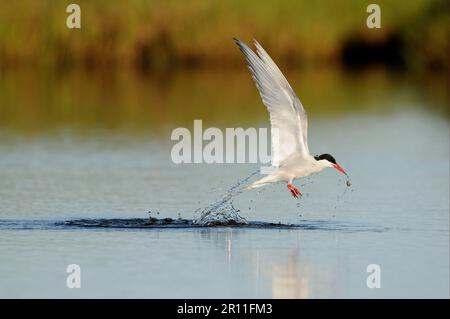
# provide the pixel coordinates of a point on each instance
(395, 215)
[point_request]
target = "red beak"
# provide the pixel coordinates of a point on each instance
(336, 166)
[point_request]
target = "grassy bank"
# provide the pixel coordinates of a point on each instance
(165, 34)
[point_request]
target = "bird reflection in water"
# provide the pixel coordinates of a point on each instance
(297, 279)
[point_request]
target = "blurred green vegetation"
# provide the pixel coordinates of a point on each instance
(86, 103)
(131, 66)
(161, 35)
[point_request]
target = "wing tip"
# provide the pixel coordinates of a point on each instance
(237, 41)
(242, 47)
(240, 43)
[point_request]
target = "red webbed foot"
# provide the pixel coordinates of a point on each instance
(294, 191)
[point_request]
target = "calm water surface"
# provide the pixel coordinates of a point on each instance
(69, 148)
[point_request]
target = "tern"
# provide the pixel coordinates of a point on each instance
(289, 124)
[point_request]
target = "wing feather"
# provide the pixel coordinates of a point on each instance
(288, 118)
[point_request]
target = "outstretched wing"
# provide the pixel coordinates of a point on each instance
(287, 116)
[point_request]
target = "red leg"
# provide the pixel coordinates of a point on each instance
(294, 191)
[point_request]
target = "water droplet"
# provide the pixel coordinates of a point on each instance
(222, 211)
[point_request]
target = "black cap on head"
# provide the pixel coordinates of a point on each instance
(327, 157)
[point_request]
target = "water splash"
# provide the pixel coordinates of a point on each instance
(222, 211)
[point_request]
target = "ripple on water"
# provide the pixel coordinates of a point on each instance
(169, 223)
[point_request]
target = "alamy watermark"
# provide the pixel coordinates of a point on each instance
(74, 278)
(373, 21)
(374, 279)
(73, 20)
(235, 145)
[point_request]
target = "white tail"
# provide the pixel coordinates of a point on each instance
(262, 182)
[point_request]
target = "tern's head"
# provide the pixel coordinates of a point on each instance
(328, 161)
